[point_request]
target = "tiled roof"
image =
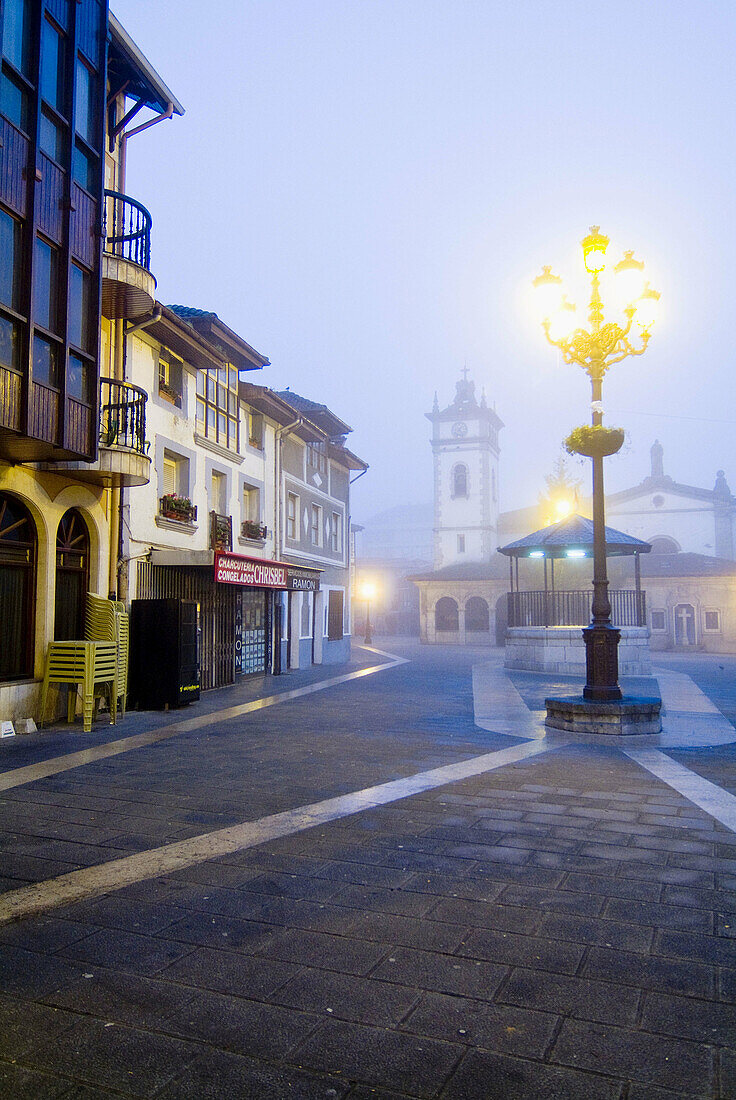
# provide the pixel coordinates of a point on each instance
(191, 311)
(467, 571)
(574, 532)
(686, 565)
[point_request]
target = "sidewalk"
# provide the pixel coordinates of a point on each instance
(557, 926)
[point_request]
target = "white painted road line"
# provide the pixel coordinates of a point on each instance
(90, 882)
(718, 803)
(19, 776)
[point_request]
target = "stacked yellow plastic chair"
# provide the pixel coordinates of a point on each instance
(106, 620)
(88, 664)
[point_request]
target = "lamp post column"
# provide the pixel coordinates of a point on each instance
(368, 635)
(601, 638)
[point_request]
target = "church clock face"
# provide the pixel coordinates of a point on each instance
(459, 430)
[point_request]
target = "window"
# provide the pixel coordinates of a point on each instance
(251, 504)
(17, 34)
(46, 285)
(80, 293)
(663, 545)
(292, 509)
(217, 406)
(51, 138)
(10, 261)
(218, 496)
(306, 624)
(17, 588)
(316, 526)
(659, 620)
(461, 544)
(317, 457)
(53, 65)
(336, 532)
(14, 102)
(45, 362)
(85, 169)
(460, 481)
(9, 344)
(175, 475)
(78, 378)
(712, 622)
(170, 377)
(335, 616)
(255, 430)
(84, 102)
(72, 576)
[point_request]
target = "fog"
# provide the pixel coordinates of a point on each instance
(364, 190)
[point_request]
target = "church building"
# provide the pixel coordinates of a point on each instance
(458, 598)
(689, 578)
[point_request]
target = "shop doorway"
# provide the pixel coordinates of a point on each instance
(253, 654)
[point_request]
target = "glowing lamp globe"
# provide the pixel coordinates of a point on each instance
(547, 292)
(647, 308)
(594, 250)
(629, 278)
(367, 590)
(563, 323)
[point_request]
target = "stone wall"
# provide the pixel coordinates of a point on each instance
(560, 650)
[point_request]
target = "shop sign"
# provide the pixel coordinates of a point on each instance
(232, 569)
(302, 580)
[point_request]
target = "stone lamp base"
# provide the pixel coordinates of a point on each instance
(628, 716)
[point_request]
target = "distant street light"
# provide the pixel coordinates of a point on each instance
(367, 593)
(595, 349)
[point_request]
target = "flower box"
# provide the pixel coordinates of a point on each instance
(594, 441)
(250, 529)
(177, 508)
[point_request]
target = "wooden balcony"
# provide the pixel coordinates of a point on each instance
(128, 287)
(123, 458)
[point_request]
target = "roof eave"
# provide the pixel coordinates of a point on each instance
(127, 46)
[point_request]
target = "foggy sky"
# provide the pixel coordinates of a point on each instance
(363, 190)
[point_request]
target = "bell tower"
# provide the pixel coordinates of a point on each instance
(465, 453)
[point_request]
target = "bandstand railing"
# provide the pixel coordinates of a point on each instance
(574, 608)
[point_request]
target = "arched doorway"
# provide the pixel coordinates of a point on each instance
(18, 545)
(72, 576)
(476, 616)
(446, 618)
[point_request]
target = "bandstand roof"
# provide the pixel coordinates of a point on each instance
(570, 534)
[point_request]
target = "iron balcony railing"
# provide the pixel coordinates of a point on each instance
(628, 608)
(127, 229)
(123, 416)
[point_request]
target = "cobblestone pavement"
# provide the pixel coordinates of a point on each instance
(559, 927)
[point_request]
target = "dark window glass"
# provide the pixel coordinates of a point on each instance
(53, 47)
(46, 285)
(77, 378)
(14, 103)
(10, 261)
(80, 286)
(45, 362)
(17, 34)
(17, 588)
(9, 343)
(51, 139)
(84, 100)
(84, 169)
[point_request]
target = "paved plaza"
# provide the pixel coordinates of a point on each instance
(374, 881)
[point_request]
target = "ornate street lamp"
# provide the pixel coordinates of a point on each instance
(595, 349)
(368, 592)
